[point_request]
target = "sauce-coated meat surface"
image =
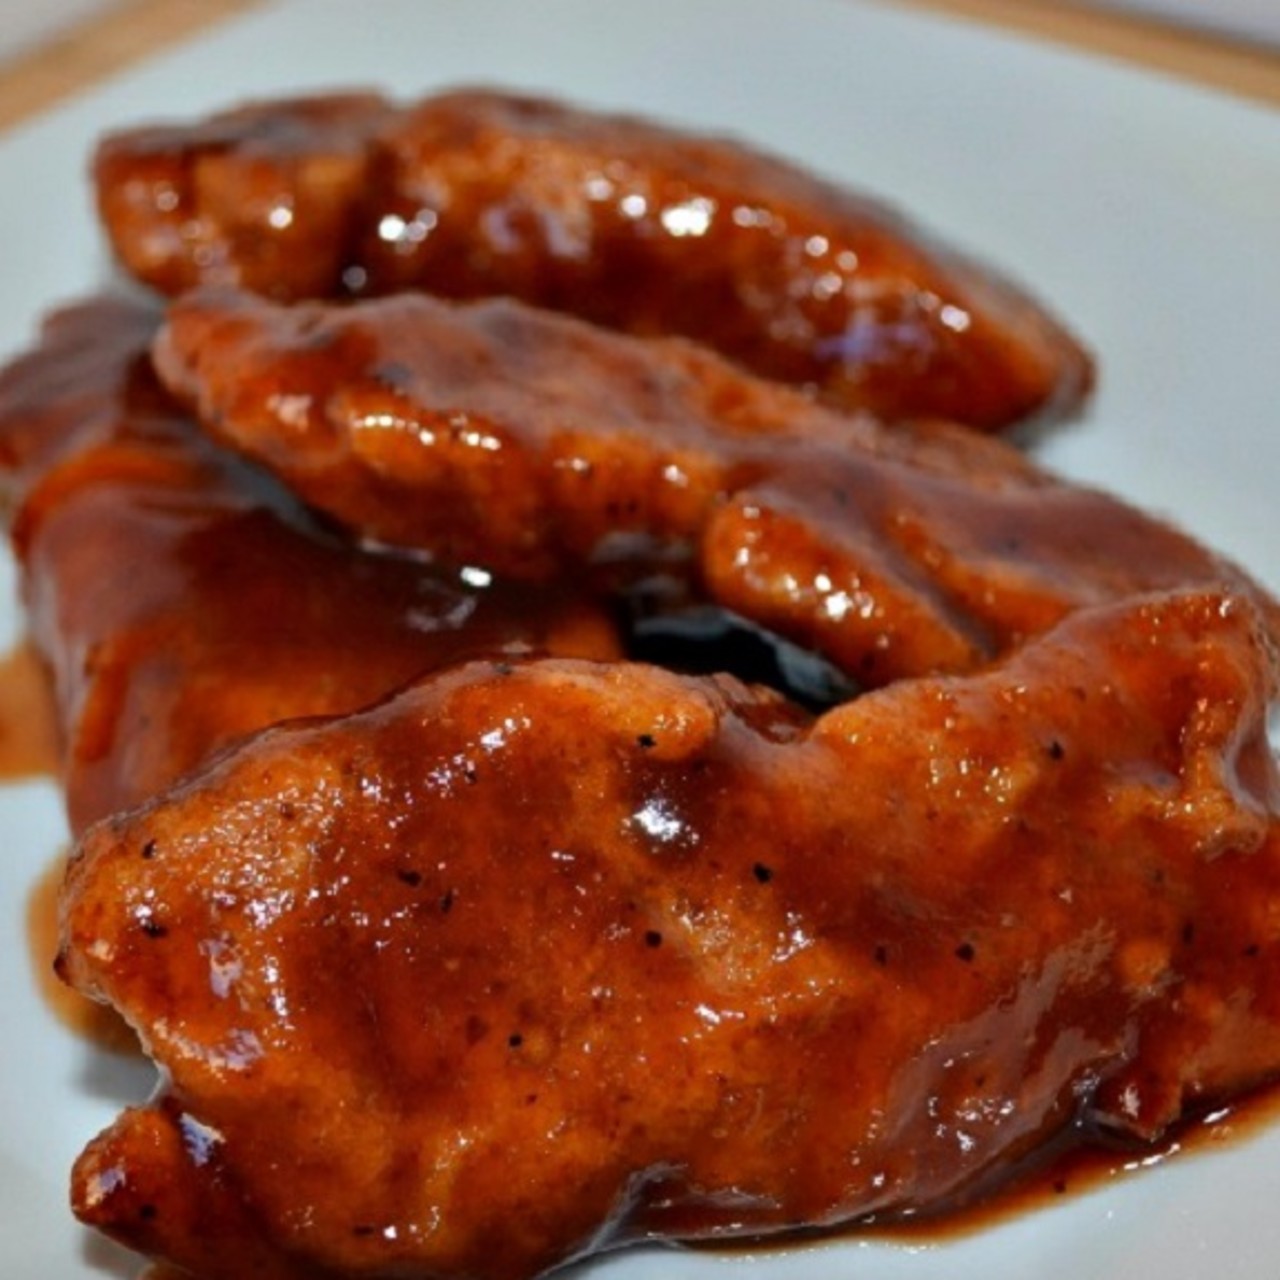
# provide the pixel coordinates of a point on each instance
(622, 221)
(609, 953)
(182, 600)
(498, 434)
(538, 958)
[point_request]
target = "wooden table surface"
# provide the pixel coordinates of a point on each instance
(131, 30)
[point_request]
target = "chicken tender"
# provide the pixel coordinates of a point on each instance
(538, 445)
(539, 958)
(625, 222)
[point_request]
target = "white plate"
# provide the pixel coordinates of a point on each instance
(1146, 211)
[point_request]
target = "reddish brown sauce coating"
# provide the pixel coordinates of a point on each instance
(545, 922)
(28, 722)
(98, 1023)
(530, 442)
(622, 221)
(604, 952)
(183, 601)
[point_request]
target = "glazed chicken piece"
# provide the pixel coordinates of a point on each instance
(539, 445)
(183, 600)
(539, 958)
(267, 195)
(625, 222)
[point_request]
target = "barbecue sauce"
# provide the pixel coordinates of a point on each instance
(28, 729)
(98, 1024)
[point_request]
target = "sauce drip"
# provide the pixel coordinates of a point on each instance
(28, 726)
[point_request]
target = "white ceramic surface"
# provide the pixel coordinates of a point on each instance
(1148, 212)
